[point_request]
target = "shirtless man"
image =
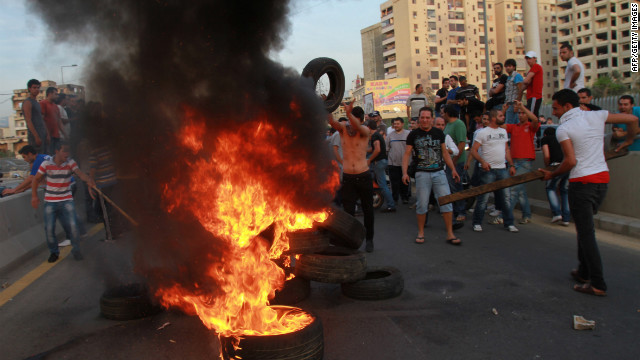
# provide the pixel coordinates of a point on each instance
(356, 178)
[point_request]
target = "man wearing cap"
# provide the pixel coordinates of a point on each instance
(533, 82)
(415, 102)
(378, 119)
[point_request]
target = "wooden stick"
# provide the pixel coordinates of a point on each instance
(518, 179)
(135, 223)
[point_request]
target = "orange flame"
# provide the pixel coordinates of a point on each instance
(235, 200)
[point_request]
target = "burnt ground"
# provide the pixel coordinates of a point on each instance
(444, 312)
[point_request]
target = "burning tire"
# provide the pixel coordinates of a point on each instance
(380, 283)
(321, 66)
(127, 302)
(307, 241)
(347, 231)
(306, 343)
(293, 291)
(334, 265)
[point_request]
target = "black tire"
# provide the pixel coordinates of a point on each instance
(378, 198)
(307, 241)
(334, 265)
(127, 302)
(306, 343)
(380, 283)
(320, 66)
(293, 291)
(345, 229)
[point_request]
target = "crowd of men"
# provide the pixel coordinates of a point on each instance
(500, 133)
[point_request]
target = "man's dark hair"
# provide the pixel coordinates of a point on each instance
(358, 112)
(343, 119)
(585, 90)
(371, 124)
(511, 62)
(444, 79)
(398, 119)
(450, 110)
(60, 144)
(417, 86)
(592, 107)
(51, 89)
(32, 82)
(567, 46)
(550, 131)
(463, 78)
(60, 98)
(425, 108)
(453, 77)
(626, 97)
(499, 64)
(566, 96)
(28, 149)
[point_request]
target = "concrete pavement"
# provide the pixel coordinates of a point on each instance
(445, 311)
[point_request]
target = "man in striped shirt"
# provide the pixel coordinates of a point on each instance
(58, 200)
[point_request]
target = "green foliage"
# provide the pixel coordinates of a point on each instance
(609, 85)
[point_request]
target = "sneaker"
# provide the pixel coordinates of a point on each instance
(388, 210)
(477, 228)
(496, 221)
(369, 246)
(495, 213)
(556, 218)
(78, 255)
(53, 257)
(564, 223)
(64, 243)
(525, 221)
(513, 229)
(491, 207)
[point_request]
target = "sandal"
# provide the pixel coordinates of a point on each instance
(451, 241)
(420, 239)
(576, 276)
(461, 218)
(590, 290)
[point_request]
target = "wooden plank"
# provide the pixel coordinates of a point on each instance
(512, 181)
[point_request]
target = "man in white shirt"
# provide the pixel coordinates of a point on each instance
(415, 102)
(574, 73)
(581, 136)
(495, 153)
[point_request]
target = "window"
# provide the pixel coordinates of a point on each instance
(419, 76)
(510, 52)
(417, 51)
(413, 1)
(415, 14)
(415, 27)
(508, 6)
(435, 75)
(416, 38)
(624, 5)
(614, 61)
(433, 50)
(510, 41)
(432, 25)
(417, 63)
(435, 86)
(453, 51)
(431, 14)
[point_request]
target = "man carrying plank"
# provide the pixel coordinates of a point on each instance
(495, 153)
(581, 136)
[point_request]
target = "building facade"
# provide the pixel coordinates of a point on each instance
(372, 52)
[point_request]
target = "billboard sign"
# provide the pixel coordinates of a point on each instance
(389, 95)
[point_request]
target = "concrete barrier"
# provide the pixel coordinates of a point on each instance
(21, 230)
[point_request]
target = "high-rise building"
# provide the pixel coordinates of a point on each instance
(372, 52)
(600, 33)
(426, 40)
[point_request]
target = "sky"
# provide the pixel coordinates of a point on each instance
(319, 28)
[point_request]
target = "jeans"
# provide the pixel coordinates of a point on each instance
(359, 186)
(519, 192)
(425, 182)
(398, 189)
(460, 206)
(502, 197)
(65, 211)
(511, 117)
(584, 201)
(556, 207)
(380, 171)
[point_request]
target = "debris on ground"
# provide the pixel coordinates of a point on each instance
(580, 323)
(164, 326)
(172, 341)
(5, 285)
(494, 311)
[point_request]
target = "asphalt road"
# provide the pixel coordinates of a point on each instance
(445, 311)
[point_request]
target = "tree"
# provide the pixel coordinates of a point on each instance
(609, 86)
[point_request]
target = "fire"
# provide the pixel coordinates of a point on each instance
(236, 200)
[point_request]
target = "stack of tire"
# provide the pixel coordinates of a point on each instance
(329, 254)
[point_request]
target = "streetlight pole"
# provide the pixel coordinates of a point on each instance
(62, 73)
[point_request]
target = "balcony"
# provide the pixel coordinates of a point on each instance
(389, 64)
(389, 52)
(387, 28)
(389, 41)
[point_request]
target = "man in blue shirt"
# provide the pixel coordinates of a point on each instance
(29, 155)
(451, 95)
(625, 106)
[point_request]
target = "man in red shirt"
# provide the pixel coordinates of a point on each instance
(523, 154)
(533, 82)
(51, 116)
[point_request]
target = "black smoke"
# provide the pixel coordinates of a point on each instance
(152, 59)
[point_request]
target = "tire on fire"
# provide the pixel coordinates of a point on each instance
(321, 66)
(127, 302)
(333, 265)
(307, 241)
(293, 291)
(345, 229)
(380, 283)
(306, 343)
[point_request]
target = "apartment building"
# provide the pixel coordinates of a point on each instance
(426, 40)
(372, 52)
(600, 33)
